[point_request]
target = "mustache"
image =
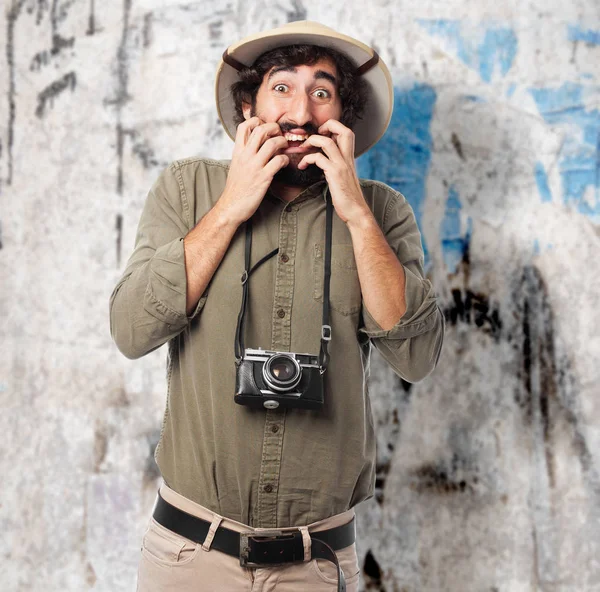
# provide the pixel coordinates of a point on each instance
(309, 128)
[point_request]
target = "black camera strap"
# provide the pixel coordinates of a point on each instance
(326, 327)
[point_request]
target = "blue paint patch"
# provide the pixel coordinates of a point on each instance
(536, 247)
(577, 33)
(498, 50)
(511, 90)
(494, 49)
(542, 182)
(474, 99)
(579, 158)
(401, 158)
(455, 241)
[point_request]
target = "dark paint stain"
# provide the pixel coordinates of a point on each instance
(100, 446)
(120, 140)
(90, 575)
(54, 89)
(538, 372)
(151, 470)
(59, 43)
(298, 13)
(119, 229)
(60, 11)
(42, 58)
(42, 7)
(548, 386)
(122, 96)
(406, 386)
(215, 30)
(372, 572)
(445, 478)
(381, 473)
(11, 19)
(474, 308)
(143, 150)
(147, 29)
(91, 20)
(457, 146)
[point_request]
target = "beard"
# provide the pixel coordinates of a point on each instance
(291, 175)
(295, 177)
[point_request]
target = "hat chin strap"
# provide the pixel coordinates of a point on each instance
(368, 65)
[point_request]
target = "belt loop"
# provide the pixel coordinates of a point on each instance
(307, 542)
(210, 535)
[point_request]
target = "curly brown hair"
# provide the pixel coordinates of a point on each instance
(352, 89)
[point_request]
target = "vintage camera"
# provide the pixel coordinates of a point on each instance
(274, 380)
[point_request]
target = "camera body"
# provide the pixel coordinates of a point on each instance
(271, 380)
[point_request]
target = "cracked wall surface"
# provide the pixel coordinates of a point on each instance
(488, 471)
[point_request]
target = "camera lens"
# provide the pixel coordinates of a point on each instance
(283, 369)
(282, 373)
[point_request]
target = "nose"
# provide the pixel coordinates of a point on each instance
(299, 111)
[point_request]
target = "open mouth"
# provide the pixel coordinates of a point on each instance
(295, 140)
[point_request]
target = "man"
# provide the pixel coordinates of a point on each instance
(301, 102)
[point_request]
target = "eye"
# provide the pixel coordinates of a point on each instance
(280, 88)
(322, 94)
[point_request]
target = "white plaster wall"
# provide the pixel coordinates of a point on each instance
(488, 476)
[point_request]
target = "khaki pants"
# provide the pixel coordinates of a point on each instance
(170, 562)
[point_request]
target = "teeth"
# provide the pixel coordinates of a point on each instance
(295, 138)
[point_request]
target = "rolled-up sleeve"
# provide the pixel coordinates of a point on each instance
(413, 346)
(148, 304)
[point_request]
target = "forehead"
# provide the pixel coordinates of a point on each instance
(324, 69)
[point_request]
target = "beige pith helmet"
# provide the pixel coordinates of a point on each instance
(378, 110)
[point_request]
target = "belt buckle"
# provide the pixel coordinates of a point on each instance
(250, 539)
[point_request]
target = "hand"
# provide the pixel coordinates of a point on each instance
(252, 168)
(340, 171)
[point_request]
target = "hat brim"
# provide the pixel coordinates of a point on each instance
(378, 110)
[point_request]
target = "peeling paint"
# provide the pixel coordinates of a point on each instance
(401, 158)
(455, 232)
(490, 49)
(578, 33)
(566, 108)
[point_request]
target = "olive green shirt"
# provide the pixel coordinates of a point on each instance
(271, 468)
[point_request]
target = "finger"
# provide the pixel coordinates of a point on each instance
(343, 136)
(245, 128)
(315, 158)
(276, 163)
(261, 133)
(271, 146)
(328, 146)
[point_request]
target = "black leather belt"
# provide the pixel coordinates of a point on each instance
(259, 549)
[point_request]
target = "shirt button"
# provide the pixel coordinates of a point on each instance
(274, 428)
(288, 208)
(268, 488)
(285, 258)
(281, 313)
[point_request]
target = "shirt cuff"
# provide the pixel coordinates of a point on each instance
(419, 317)
(165, 296)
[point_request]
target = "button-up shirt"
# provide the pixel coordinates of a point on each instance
(268, 468)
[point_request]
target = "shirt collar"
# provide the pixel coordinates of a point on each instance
(318, 188)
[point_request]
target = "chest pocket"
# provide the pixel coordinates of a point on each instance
(344, 292)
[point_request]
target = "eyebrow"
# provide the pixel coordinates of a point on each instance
(319, 74)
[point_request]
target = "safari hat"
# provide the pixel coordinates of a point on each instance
(378, 109)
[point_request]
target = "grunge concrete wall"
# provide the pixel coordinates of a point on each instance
(488, 471)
